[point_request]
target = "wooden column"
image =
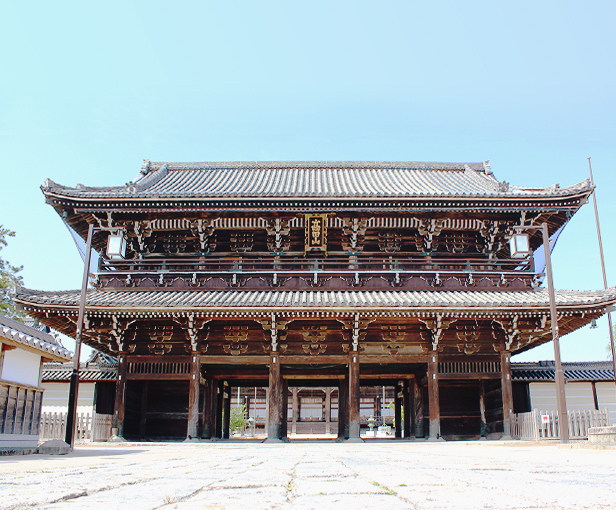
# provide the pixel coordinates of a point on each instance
(193, 397)
(284, 412)
(507, 393)
(482, 408)
(295, 412)
(275, 406)
(144, 410)
(419, 410)
(343, 399)
(328, 410)
(354, 395)
(409, 407)
(209, 408)
(226, 411)
(398, 410)
(219, 409)
(435, 410)
(118, 415)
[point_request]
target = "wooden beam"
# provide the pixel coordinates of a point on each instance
(469, 376)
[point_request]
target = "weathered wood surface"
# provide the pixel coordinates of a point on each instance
(20, 407)
(433, 397)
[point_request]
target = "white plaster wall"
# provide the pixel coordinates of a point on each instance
(55, 398)
(21, 367)
(578, 395)
(606, 395)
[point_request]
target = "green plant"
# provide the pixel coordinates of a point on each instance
(237, 418)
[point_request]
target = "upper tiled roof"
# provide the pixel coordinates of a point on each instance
(576, 371)
(313, 180)
(18, 333)
(294, 300)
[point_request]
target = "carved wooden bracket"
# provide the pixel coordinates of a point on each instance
(427, 234)
(276, 327)
(354, 229)
(355, 325)
(202, 228)
(119, 333)
(435, 328)
(193, 327)
(278, 235)
(467, 335)
(142, 230)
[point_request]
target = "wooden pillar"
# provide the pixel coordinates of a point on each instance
(284, 411)
(274, 422)
(209, 408)
(144, 410)
(398, 409)
(419, 410)
(120, 396)
(219, 409)
(328, 410)
(193, 397)
(343, 399)
(507, 393)
(354, 425)
(435, 410)
(409, 407)
(294, 412)
(482, 408)
(226, 411)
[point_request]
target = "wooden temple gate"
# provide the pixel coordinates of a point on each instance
(340, 274)
(434, 395)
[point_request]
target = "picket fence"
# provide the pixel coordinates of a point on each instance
(94, 427)
(533, 425)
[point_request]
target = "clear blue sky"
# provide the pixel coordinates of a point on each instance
(88, 90)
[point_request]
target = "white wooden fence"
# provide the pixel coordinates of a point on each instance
(539, 425)
(95, 427)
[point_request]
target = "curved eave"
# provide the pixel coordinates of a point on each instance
(513, 307)
(504, 197)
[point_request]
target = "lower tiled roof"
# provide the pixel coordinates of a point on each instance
(19, 333)
(294, 300)
(575, 372)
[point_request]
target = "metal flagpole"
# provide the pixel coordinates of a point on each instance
(71, 417)
(561, 402)
(609, 314)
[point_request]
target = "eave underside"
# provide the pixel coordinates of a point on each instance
(383, 334)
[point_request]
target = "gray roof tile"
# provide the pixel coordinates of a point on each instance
(313, 180)
(287, 299)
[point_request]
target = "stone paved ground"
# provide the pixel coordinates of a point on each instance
(319, 475)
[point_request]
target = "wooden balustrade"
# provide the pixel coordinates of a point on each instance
(290, 263)
(88, 427)
(531, 426)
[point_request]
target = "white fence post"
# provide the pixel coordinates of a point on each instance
(95, 427)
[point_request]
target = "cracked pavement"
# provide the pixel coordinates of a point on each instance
(312, 475)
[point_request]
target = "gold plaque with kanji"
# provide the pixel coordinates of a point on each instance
(316, 232)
